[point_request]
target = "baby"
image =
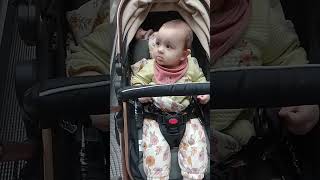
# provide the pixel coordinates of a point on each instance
(171, 64)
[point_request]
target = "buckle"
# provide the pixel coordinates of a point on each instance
(173, 121)
(172, 127)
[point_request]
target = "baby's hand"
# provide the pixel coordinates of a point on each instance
(148, 34)
(145, 99)
(203, 99)
(140, 34)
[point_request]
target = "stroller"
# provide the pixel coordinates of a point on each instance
(151, 15)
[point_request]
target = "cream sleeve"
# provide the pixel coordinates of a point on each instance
(92, 53)
(144, 75)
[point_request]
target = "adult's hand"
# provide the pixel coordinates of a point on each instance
(300, 119)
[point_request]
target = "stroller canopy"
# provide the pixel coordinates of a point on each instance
(132, 13)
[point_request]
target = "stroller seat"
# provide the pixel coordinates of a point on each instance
(151, 15)
(138, 50)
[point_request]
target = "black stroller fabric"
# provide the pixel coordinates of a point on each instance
(265, 87)
(72, 97)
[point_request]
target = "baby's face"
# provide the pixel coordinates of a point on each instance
(170, 49)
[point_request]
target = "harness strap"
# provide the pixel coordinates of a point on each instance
(172, 125)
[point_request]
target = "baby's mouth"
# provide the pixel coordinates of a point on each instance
(159, 58)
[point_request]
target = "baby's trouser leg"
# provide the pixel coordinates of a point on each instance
(156, 152)
(192, 155)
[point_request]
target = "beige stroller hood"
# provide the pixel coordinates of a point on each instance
(132, 13)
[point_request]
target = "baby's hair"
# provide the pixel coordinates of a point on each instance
(179, 23)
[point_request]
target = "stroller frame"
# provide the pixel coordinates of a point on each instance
(125, 94)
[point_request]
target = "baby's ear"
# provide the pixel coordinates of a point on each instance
(187, 52)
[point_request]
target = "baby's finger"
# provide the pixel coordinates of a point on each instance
(148, 33)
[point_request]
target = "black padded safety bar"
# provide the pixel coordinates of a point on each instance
(265, 86)
(189, 89)
(68, 97)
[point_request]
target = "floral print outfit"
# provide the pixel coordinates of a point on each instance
(192, 154)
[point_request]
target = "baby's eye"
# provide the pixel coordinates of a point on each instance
(157, 43)
(168, 46)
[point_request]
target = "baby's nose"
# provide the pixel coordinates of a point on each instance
(160, 49)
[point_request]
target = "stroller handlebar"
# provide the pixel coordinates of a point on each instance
(249, 87)
(189, 89)
(230, 88)
(68, 97)
(272, 86)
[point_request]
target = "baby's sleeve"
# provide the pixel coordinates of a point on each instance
(143, 76)
(197, 73)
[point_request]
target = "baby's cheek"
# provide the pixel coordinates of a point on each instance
(153, 54)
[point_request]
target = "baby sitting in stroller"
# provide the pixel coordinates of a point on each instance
(171, 63)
